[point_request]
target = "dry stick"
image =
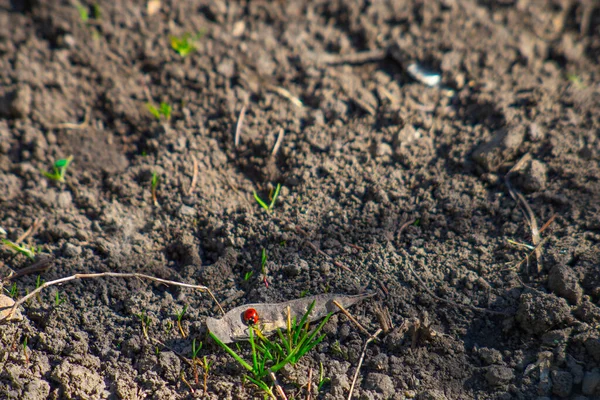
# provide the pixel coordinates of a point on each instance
(31, 231)
(277, 385)
(286, 94)
(40, 265)
(362, 357)
(278, 142)
(194, 177)
(105, 274)
(350, 317)
(69, 125)
(309, 394)
(239, 124)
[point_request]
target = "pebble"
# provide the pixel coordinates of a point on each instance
(564, 282)
(497, 375)
(591, 381)
(71, 250)
(187, 211)
(533, 177)
(380, 383)
(562, 383)
(502, 146)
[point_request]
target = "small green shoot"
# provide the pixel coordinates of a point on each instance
(146, 321)
(417, 222)
(272, 196)
(13, 292)
(59, 169)
(263, 266)
(322, 379)
(575, 80)
(206, 367)
(58, 299)
(179, 317)
(304, 293)
(169, 327)
(96, 11)
(156, 351)
(248, 275)
(25, 350)
(195, 350)
(83, 12)
(154, 185)
(27, 251)
(184, 45)
(164, 110)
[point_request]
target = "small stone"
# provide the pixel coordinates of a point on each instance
(490, 356)
(187, 211)
(501, 147)
(533, 177)
(562, 383)
(71, 250)
(497, 375)
(535, 132)
(593, 347)
(563, 281)
(591, 382)
(383, 150)
(380, 383)
(64, 200)
(539, 312)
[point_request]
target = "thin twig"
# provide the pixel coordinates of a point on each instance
(239, 124)
(40, 265)
(70, 125)
(31, 231)
(278, 142)
(277, 385)
(350, 317)
(107, 274)
(194, 177)
(309, 394)
(362, 357)
(286, 94)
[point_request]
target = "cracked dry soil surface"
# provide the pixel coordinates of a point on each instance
(370, 152)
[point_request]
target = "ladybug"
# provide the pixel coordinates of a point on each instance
(251, 316)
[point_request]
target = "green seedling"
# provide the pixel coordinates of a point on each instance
(195, 350)
(206, 367)
(269, 356)
(417, 222)
(25, 350)
(164, 110)
(83, 12)
(179, 317)
(59, 169)
(58, 299)
(96, 11)
(27, 251)
(146, 321)
(13, 292)
(248, 275)
(154, 185)
(39, 282)
(184, 45)
(304, 293)
(322, 379)
(272, 196)
(156, 351)
(263, 266)
(169, 327)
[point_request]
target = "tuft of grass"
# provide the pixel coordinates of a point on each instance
(13, 292)
(272, 196)
(163, 110)
(322, 379)
(58, 299)
(206, 367)
(248, 275)
(83, 12)
(59, 169)
(195, 362)
(184, 44)
(269, 356)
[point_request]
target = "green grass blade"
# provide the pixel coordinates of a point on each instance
(231, 352)
(275, 195)
(260, 201)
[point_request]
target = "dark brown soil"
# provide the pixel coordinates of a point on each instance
(370, 152)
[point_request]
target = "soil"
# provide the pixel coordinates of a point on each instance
(388, 186)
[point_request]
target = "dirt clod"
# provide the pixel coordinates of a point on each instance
(500, 148)
(498, 375)
(540, 312)
(564, 282)
(562, 383)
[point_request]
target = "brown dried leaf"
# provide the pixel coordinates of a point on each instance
(232, 328)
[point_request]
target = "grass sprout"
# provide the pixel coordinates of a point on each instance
(248, 275)
(163, 110)
(28, 251)
(153, 186)
(184, 45)
(322, 379)
(58, 299)
(263, 266)
(179, 317)
(288, 347)
(272, 196)
(13, 292)
(59, 169)
(146, 321)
